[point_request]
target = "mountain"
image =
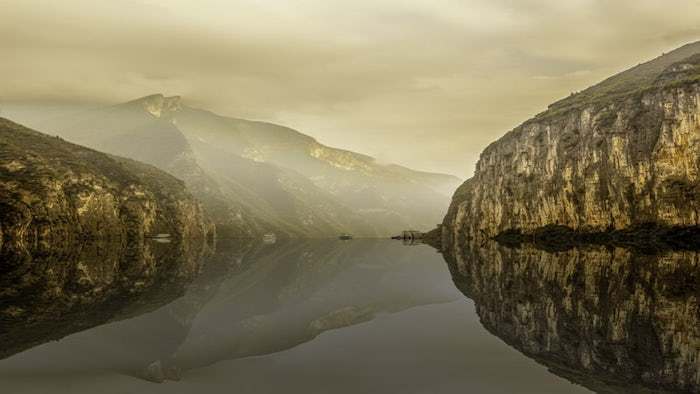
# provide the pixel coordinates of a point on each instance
(53, 192)
(258, 177)
(620, 155)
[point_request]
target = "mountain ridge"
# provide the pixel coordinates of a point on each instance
(160, 103)
(258, 177)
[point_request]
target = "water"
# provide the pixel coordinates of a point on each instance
(362, 316)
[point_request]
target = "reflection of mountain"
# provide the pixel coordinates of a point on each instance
(259, 299)
(256, 177)
(607, 318)
(48, 295)
(301, 290)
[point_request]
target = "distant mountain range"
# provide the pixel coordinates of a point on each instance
(257, 177)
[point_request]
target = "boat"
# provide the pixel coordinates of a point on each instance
(345, 237)
(269, 238)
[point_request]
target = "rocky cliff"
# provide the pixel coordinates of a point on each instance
(610, 319)
(623, 153)
(53, 192)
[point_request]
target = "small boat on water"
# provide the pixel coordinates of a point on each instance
(269, 238)
(345, 237)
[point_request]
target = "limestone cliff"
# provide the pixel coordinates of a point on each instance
(623, 153)
(53, 192)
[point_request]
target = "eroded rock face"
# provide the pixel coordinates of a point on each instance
(607, 318)
(53, 192)
(623, 153)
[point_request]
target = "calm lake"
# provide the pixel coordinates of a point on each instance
(360, 316)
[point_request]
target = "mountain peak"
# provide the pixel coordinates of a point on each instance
(159, 105)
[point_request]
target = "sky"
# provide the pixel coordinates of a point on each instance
(427, 84)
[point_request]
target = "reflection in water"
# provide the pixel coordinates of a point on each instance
(238, 313)
(296, 291)
(608, 318)
(246, 299)
(48, 294)
(270, 298)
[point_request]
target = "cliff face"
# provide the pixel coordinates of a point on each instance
(622, 153)
(607, 318)
(53, 192)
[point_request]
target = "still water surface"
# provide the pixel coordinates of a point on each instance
(364, 316)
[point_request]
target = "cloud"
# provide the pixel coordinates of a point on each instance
(424, 83)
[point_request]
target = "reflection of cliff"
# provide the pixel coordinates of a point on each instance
(47, 295)
(607, 318)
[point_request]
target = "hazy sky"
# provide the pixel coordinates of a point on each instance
(423, 83)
